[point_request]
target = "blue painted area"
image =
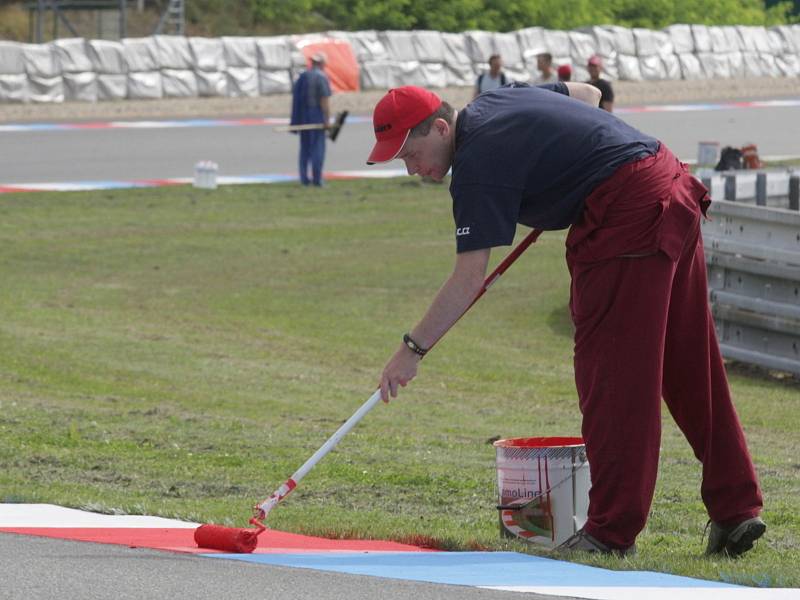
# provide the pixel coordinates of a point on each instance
(474, 569)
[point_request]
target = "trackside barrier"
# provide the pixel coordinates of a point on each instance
(753, 260)
(777, 189)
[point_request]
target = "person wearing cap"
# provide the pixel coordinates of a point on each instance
(607, 92)
(310, 105)
(545, 157)
(564, 73)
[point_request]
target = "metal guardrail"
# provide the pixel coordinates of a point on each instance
(776, 188)
(753, 260)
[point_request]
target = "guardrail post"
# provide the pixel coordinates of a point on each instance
(794, 192)
(730, 188)
(761, 189)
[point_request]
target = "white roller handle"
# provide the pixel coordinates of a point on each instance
(267, 505)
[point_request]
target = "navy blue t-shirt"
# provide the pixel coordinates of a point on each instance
(530, 155)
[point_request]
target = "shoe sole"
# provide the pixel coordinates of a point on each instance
(740, 542)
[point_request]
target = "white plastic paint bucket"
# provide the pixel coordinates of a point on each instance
(707, 154)
(543, 487)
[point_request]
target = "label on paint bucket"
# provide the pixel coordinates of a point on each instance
(543, 488)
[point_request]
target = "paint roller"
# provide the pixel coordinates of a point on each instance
(333, 130)
(245, 540)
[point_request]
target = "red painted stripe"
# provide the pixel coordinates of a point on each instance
(7, 189)
(182, 540)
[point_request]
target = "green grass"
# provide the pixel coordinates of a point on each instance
(181, 352)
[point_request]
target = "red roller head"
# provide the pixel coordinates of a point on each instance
(227, 539)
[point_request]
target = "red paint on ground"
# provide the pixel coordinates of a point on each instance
(182, 540)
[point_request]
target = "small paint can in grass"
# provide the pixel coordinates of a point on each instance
(543, 485)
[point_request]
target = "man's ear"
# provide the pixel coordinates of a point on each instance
(442, 126)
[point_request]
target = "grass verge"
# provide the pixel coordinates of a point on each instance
(180, 352)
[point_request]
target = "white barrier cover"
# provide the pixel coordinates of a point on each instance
(519, 74)
(407, 72)
(769, 65)
(754, 39)
(40, 61)
(795, 29)
(624, 42)
(506, 45)
(80, 87)
(274, 82)
(12, 59)
(144, 85)
(173, 52)
(719, 42)
(752, 64)
(376, 75)
(681, 36)
(179, 83)
(141, 55)
(715, 65)
(366, 45)
(652, 68)
(273, 54)
(557, 42)
(207, 54)
(690, 66)
(788, 64)
(429, 46)
(629, 68)
(531, 42)
(784, 33)
(240, 52)
(672, 66)
(45, 89)
(242, 82)
(211, 83)
(479, 46)
(702, 38)
(733, 38)
(399, 45)
(106, 56)
(461, 75)
(433, 74)
(455, 49)
(736, 62)
(582, 46)
(603, 40)
(647, 44)
(71, 55)
(14, 88)
(112, 86)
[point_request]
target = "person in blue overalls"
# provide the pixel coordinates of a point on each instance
(310, 105)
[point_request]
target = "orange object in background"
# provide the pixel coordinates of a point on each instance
(750, 157)
(341, 66)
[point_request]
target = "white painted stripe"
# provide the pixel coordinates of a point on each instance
(662, 593)
(50, 515)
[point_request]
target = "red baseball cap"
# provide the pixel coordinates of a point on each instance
(395, 115)
(595, 60)
(564, 71)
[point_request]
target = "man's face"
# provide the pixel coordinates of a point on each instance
(430, 155)
(542, 63)
(496, 64)
(594, 71)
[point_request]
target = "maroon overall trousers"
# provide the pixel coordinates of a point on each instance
(643, 331)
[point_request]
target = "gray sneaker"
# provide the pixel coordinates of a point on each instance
(734, 541)
(581, 541)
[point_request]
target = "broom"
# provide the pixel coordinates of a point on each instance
(244, 540)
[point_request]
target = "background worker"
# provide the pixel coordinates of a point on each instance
(564, 73)
(311, 104)
(607, 93)
(544, 64)
(638, 297)
(492, 79)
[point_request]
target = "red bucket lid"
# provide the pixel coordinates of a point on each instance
(539, 442)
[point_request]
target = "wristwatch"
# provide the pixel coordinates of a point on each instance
(414, 346)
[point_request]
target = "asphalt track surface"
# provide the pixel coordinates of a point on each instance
(134, 153)
(50, 569)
